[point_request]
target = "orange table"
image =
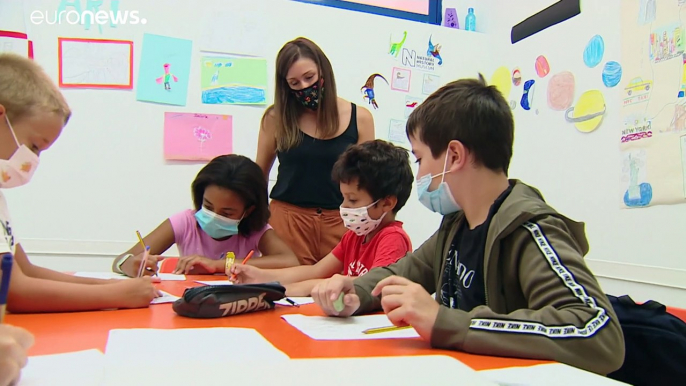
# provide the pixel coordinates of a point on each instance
(64, 332)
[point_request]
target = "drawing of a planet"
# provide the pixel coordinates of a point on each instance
(594, 51)
(561, 91)
(516, 77)
(612, 74)
(502, 81)
(528, 95)
(542, 66)
(588, 112)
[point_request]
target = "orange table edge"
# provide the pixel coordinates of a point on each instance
(66, 332)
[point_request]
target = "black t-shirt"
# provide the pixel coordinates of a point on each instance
(463, 277)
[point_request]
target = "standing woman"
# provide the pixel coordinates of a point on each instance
(308, 128)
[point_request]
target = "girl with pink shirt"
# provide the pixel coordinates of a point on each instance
(231, 215)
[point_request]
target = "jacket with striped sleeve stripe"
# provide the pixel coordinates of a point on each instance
(542, 301)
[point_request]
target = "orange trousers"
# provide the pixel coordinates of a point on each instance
(311, 233)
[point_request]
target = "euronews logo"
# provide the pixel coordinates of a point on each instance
(74, 17)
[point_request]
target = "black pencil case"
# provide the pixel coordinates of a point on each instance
(216, 301)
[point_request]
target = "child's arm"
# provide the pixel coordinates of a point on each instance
(158, 240)
(37, 272)
(302, 288)
(28, 294)
(275, 253)
(326, 267)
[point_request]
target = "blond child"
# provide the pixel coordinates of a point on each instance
(32, 115)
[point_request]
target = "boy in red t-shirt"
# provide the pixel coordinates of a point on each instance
(375, 180)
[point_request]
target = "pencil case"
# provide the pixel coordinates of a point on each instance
(216, 301)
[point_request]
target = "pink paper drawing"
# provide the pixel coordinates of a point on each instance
(197, 137)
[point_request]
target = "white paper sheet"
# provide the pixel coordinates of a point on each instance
(557, 374)
(112, 275)
(84, 368)
(434, 370)
(329, 328)
(165, 298)
(96, 63)
(298, 300)
(214, 282)
(177, 347)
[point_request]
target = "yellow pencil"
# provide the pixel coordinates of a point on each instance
(141, 240)
(230, 258)
(377, 330)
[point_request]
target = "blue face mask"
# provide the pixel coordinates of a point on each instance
(440, 200)
(216, 226)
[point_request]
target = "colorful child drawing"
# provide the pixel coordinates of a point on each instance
(396, 47)
(637, 194)
(368, 89)
(434, 50)
(167, 77)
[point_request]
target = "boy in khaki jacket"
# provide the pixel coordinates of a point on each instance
(507, 269)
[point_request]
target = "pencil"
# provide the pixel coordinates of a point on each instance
(233, 277)
(377, 330)
(144, 262)
(144, 248)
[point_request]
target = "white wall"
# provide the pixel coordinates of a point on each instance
(89, 196)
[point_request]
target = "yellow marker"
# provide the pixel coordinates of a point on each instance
(230, 258)
(377, 330)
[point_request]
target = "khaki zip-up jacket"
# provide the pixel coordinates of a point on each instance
(542, 301)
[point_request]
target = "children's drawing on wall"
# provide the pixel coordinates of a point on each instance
(636, 127)
(516, 77)
(233, 80)
(411, 103)
(646, 11)
(502, 81)
(594, 51)
(612, 74)
(678, 122)
(588, 112)
(637, 91)
(435, 51)
(401, 79)
(396, 131)
(683, 160)
(95, 63)
(368, 89)
(542, 66)
(164, 70)
(561, 91)
(196, 137)
(396, 47)
(682, 88)
(430, 83)
(638, 193)
(527, 100)
(167, 77)
(666, 43)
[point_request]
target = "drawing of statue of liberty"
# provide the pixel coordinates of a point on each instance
(637, 194)
(167, 77)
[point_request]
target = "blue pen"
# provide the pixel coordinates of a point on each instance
(6, 266)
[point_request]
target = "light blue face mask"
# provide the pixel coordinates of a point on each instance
(216, 226)
(440, 200)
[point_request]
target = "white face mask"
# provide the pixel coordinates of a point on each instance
(358, 220)
(19, 169)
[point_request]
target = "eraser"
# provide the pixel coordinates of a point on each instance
(338, 303)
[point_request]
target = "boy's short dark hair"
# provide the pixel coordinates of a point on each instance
(380, 168)
(242, 176)
(470, 111)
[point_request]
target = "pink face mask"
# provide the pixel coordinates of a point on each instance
(358, 220)
(19, 169)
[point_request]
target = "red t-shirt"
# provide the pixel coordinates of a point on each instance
(385, 248)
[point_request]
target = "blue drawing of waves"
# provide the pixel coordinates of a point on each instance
(235, 95)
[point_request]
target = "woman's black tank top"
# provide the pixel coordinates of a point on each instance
(304, 177)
